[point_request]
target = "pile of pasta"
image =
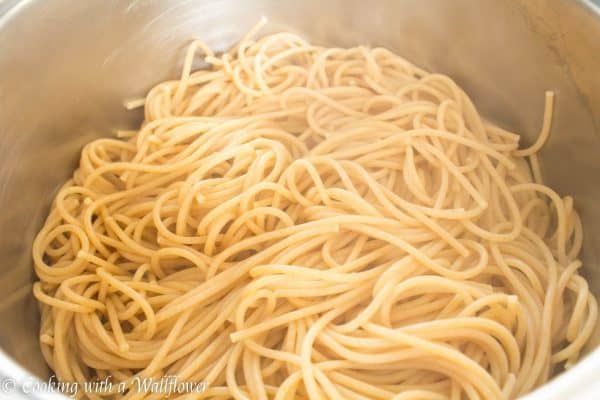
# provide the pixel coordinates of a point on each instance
(303, 222)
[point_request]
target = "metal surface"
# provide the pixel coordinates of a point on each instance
(67, 65)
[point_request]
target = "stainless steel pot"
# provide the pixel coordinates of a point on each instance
(67, 65)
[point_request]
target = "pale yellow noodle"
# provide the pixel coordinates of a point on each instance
(302, 222)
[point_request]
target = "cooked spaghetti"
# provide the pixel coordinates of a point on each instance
(302, 222)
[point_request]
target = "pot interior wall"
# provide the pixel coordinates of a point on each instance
(67, 65)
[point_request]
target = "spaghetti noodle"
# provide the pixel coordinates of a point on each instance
(301, 222)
